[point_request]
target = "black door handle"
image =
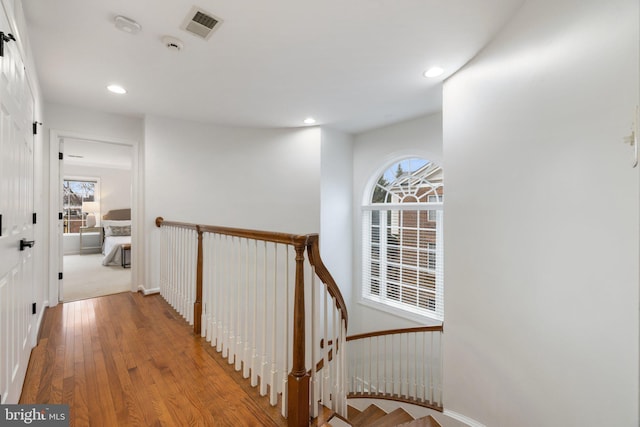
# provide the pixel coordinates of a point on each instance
(24, 243)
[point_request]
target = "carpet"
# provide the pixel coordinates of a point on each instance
(86, 277)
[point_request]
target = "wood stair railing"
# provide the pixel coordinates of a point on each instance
(245, 291)
(401, 364)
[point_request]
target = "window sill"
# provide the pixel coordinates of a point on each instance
(422, 320)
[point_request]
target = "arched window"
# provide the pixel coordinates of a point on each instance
(402, 238)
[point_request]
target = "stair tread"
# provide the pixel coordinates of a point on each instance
(427, 421)
(399, 416)
(352, 412)
(324, 416)
(368, 416)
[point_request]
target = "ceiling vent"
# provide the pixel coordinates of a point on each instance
(200, 23)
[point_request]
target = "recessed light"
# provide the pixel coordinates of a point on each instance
(116, 89)
(433, 72)
(309, 121)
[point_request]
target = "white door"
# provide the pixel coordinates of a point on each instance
(16, 210)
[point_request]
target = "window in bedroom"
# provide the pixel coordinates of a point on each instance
(75, 193)
(402, 238)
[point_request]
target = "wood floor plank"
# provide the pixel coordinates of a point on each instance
(130, 360)
(36, 366)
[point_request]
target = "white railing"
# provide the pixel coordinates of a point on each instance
(265, 307)
(401, 364)
(178, 268)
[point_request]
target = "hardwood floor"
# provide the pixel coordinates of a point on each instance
(130, 360)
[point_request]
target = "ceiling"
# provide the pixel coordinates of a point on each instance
(352, 65)
(97, 154)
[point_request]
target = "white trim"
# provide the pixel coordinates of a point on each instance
(463, 418)
(402, 313)
(404, 207)
(137, 207)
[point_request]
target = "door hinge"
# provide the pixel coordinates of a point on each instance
(5, 38)
(34, 308)
(35, 127)
(60, 276)
(60, 215)
(60, 156)
(35, 217)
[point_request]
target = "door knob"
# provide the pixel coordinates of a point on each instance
(24, 243)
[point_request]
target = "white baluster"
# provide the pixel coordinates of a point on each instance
(370, 365)
(247, 312)
(178, 264)
(326, 374)
(441, 365)
(263, 364)
(431, 373)
(172, 264)
(377, 355)
(206, 287)
(217, 275)
(239, 293)
(285, 330)
(415, 360)
(314, 387)
(232, 290)
(274, 327)
(254, 339)
(220, 302)
(407, 357)
(334, 363)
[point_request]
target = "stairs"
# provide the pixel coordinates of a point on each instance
(373, 416)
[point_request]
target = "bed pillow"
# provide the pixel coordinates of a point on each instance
(114, 230)
(107, 224)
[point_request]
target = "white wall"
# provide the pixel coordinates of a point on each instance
(61, 121)
(336, 201)
(265, 179)
(541, 230)
(93, 123)
(373, 152)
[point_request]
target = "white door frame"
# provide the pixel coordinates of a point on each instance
(137, 231)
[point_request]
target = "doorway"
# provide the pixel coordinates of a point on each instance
(92, 176)
(97, 179)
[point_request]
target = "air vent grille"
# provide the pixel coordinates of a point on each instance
(206, 20)
(201, 23)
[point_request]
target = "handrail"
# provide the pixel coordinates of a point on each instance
(267, 236)
(313, 248)
(439, 328)
(298, 383)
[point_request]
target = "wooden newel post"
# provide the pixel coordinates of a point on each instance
(197, 305)
(298, 383)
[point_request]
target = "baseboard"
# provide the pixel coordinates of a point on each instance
(146, 291)
(462, 418)
(35, 334)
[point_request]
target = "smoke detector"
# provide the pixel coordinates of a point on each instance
(172, 43)
(200, 23)
(127, 25)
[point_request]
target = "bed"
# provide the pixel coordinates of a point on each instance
(117, 232)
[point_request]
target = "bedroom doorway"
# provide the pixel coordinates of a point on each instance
(95, 180)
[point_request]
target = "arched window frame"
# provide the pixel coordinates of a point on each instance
(402, 230)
